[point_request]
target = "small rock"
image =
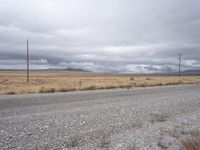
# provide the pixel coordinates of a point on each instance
(120, 145)
(165, 142)
(132, 146)
(29, 133)
(82, 123)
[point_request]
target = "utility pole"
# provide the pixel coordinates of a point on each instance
(27, 62)
(179, 66)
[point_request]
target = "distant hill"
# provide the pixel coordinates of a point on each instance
(76, 69)
(191, 72)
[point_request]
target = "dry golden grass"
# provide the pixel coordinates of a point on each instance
(192, 143)
(13, 82)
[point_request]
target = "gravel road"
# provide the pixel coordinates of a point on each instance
(121, 119)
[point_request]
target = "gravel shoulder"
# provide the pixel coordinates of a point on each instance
(142, 118)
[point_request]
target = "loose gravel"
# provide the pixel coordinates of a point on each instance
(120, 119)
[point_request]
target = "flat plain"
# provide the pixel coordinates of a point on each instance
(49, 81)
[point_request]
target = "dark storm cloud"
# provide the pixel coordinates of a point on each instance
(114, 35)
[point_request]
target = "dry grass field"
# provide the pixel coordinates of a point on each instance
(14, 82)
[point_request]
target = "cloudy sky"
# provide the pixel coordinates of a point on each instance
(101, 35)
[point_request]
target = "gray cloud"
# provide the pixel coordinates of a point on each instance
(115, 35)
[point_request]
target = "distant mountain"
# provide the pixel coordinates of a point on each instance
(191, 71)
(76, 69)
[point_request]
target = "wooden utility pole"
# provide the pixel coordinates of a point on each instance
(179, 67)
(27, 62)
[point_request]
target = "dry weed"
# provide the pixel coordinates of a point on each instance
(46, 90)
(192, 143)
(158, 117)
(104, 141)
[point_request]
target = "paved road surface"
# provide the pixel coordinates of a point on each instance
(142, 118)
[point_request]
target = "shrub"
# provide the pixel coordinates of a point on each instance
(141, 85)
(171, 83)
(110, 87)
(90, 88)
(47, 90)
(66, 90)
(10, 92)
(158, 84)
(125, 86)
(148, 79)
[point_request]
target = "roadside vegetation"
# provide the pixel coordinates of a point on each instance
(14, 82)
(192, 143)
